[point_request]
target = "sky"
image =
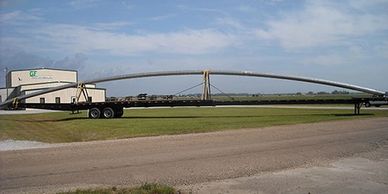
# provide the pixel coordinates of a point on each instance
(344, 41)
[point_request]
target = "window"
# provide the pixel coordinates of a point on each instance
(58, 100)
(42, 100)
(89, 99)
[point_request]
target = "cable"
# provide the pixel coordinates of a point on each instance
(187, 89)
(222, 92)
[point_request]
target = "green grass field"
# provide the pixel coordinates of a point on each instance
(65, 127)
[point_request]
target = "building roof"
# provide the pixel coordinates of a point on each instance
(47, 68)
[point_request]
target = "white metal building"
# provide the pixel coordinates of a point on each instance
(26, 81)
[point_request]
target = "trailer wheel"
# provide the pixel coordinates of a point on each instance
(108, 112)
(367, 104)
(94, 113)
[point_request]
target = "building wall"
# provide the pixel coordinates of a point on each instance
(3, 93)
(66, 95)
(22, 77)
(49, 85)
(41, 86)
(22, 82)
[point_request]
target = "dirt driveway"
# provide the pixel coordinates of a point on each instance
(187, 161)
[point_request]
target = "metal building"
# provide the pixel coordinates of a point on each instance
(26, 81)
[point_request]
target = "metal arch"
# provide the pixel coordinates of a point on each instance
(201, 72)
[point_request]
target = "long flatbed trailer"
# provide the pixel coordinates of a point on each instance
(115, 109)
(112, 109)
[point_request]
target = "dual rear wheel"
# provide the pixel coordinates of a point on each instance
(94, 113)
(107, 112)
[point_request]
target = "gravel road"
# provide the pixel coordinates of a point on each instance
(183, 160)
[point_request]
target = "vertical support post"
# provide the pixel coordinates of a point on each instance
(206, 95)
(15, 103)
(86, 94)
(6, 86)
(357, 107)
(78, 93)
(81, 89)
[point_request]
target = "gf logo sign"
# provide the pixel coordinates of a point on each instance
(33, 73)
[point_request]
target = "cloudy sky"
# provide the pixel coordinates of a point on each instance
(344, 41)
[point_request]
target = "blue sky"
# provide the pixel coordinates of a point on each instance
(337, 40)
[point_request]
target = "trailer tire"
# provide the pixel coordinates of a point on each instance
(367, 104)
(94, 113)
(108, 113)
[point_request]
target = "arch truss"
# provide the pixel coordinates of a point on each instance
(206, 80)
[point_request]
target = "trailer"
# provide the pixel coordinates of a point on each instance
(112, 109)
(115, 109)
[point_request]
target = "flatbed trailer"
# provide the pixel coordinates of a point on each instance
(114, 109)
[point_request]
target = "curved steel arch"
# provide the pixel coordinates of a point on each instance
(200, 72)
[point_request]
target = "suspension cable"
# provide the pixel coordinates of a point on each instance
(222, 92)
(187, 89)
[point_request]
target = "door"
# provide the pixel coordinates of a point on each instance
(58, 100)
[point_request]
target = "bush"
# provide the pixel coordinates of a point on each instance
(146, 188)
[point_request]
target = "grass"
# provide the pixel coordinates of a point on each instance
(146, 188)
(64, 127)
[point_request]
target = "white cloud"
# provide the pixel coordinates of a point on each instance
(104, 37)
(87, 39)
(330, 60)
(245, 9)
(320, 25)
(18, 16)
(202, 9)
(230, 22)
(162, 17)
(112, 25)
(383, 48)
(365, 4)
(81, 4)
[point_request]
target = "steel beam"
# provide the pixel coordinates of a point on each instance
(200, 72)
(206, 95)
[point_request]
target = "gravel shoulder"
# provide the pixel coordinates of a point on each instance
(364, 173)
(23, 112)
(9, 144)
(188, 160)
